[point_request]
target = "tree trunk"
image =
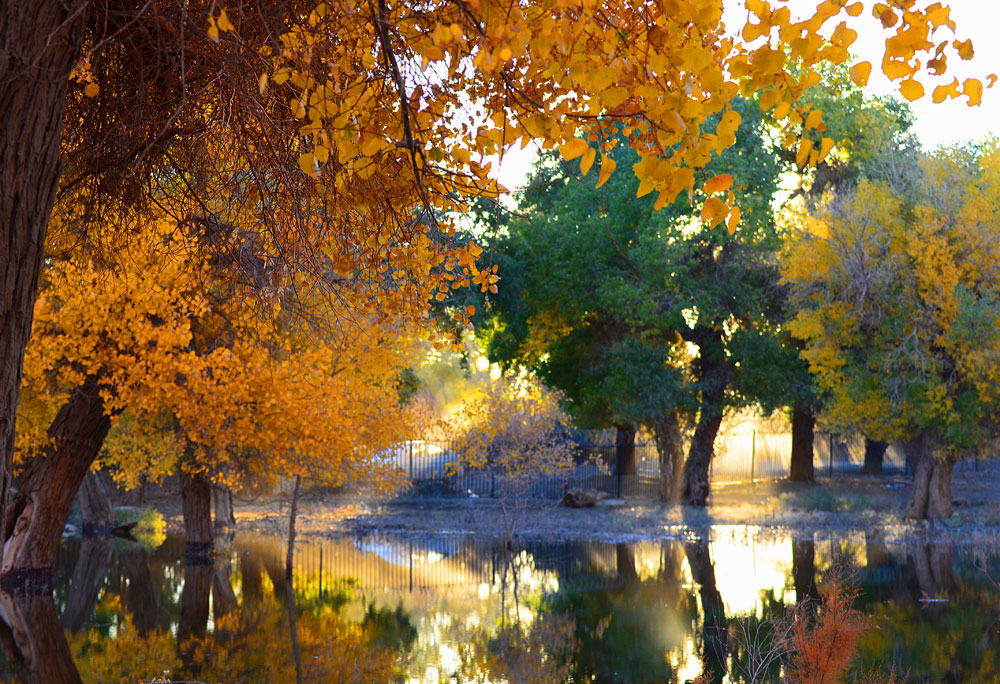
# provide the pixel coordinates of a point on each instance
(715, 633)
(88, 578)
(293, 632)
(95, 505)
(874, 455)
(49, 484)
(670, 450)
(194, 605)
(34, 641)
(804, 570)
(625, 450)
(803, 424)
(712, 370)
(930, 496)
(196, 500)
(625, 564)
(140, 600)
(222, 502)
(39, 43)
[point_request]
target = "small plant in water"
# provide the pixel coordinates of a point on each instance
(813, 643)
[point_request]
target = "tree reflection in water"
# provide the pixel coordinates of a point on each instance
(642, 613)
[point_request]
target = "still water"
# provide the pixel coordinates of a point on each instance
(383, 609)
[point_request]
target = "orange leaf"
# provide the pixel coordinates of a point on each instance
(714, 211)
(860, 73)
(911, 89)
(607, 167)
(573, 149)
(720, 183)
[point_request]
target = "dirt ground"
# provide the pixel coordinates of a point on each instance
(842, 502)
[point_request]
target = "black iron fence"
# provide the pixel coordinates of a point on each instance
(435, 468)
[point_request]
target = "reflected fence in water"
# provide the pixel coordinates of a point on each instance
(435, 468)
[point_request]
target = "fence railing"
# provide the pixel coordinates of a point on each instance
(434, 466)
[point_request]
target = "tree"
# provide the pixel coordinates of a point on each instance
(209, 387)
(603, 293)
(314, 128)
(898, 313)
(518, 431)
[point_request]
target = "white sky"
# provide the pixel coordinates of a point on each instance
(935, 124)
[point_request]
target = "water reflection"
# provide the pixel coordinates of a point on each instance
(383, 609)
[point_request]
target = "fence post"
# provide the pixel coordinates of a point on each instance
(831, 454)
(753, 451)
(409, 443)
(493, 483)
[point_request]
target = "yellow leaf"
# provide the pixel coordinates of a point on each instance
(213, 30)
(860, 73)
(824, 148)
(974, 89)
(607, 167)
(91, 90)
(720, 183)
(734, 220)
(802, 156)
(587, 160)
(855, 9)
(573, 149)
(911, 89)
(965, 50)
(645, 187)
(262, 83)
(307, 162)
(714, 211)
(814, 119)
(224, 23)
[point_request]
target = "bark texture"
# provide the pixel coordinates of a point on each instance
(803, 428)
(196, 501)
(222, 504)
(930, 496)
(95, 505)
(713, 372)
(670, 450)
(39, 42)
(874, 455)
(50, 482)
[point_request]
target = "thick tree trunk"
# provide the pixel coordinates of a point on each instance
(39, 42)
(49, 484)
(88, 578)
(625, 450)
(700, 455)
(874, 455)
(715, 633)
(95, 505)
(222, 503)
(803, 425)
(930, 496)
(196, 501)
(712, 371)
(670, 450)
(34, 641)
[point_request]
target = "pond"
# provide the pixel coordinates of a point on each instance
(448, 609)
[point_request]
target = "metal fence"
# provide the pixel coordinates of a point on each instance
(435, 468)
